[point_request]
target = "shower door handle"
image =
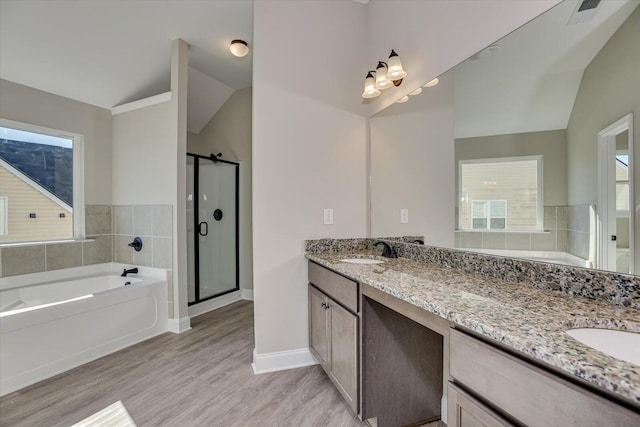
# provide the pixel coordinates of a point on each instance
(206, 228)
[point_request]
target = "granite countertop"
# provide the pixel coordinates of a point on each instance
(529, 320)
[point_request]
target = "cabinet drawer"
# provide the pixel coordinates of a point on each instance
(465, 411)
(339, 288)
(531, 395)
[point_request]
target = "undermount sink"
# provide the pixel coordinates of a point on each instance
(362, 260)
(620, 344)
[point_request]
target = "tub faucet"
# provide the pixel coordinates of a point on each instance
(131, 270)
(387, 250)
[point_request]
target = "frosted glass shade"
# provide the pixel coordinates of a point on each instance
(239, 48)
(370, 90)
(396, 72)
(403, 99)
(432, 83)
(381, 77)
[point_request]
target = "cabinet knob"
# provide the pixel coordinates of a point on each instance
(327, 306)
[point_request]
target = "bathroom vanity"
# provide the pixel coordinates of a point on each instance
(407, 342)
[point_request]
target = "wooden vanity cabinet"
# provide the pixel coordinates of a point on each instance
(521, 392)
(333, 329)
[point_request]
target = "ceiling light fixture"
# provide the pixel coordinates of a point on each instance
(387, 74)
(239, 48)
(403, 99)
(416, 92)
(432, 83)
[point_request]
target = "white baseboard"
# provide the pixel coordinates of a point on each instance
(178, 326)
(281, 360)
(246, 294)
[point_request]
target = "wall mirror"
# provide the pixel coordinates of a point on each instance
(526, 149)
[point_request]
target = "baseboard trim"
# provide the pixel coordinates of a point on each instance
(246, 294)
(282, 360)
(178, 326)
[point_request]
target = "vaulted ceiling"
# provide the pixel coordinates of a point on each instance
(110, 52)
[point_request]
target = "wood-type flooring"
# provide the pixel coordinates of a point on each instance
(202, 377)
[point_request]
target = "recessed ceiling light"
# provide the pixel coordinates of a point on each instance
(432, 83)
(239, 48)
(403, 99)
(416, 92)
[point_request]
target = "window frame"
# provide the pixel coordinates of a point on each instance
(540, 193)
(78, 173)
(4, 213)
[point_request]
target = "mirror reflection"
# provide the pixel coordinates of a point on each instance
(526, 149)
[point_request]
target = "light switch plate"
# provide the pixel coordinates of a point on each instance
(328, 216)
(404, 216)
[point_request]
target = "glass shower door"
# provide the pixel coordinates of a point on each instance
(213, 257)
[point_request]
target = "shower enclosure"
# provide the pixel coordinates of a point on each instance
(212, 227)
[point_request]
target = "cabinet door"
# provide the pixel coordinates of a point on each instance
(465, 411)
(344, 352)
(318, 326)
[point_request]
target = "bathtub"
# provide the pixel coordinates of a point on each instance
(541, 256)
(52, 322)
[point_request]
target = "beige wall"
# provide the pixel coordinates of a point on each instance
(29, 105)
(144, 155)
(229, 132)
(606, 94)
(552, 145)
(411, 155)
(309, 151)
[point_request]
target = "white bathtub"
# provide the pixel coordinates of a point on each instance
(541, 256)
(55, 321)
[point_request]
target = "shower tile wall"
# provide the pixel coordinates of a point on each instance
(580, 231)
(154, 225)
(54, 256)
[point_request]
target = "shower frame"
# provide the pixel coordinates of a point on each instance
(196, 227)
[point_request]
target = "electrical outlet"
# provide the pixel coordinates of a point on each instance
(404, 216)
(328, 216)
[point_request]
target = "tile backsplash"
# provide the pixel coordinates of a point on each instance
(109, 229)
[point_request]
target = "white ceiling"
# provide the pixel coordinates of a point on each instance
(530, 83)
(110, 52)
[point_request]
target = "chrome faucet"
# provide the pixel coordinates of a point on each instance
(133, 270)
(387, 250)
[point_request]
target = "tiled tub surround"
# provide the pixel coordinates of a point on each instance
(35, 258)
(109, 230)
(566, 229)
(528, 319)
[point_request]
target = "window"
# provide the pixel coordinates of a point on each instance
(500, 194)
(622, 184)
(489, 214)
(41, 181)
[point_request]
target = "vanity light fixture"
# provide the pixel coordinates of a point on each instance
(416, 92)
(432, 83)
(387, 74)
(403, 99)
(239, 48)
(370, 90)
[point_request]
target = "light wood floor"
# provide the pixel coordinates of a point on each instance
(200, 378)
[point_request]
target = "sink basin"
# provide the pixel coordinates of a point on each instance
(621, 344)
(362, 261)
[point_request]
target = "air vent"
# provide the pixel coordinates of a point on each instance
(585, 11)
